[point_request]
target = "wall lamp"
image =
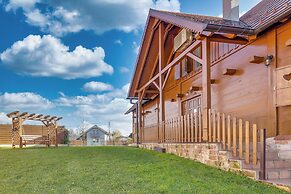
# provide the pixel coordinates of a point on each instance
(269, 60)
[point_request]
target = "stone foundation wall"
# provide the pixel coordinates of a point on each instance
(281, 145)
(206, 153)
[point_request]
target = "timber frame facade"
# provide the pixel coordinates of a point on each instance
(228, 83)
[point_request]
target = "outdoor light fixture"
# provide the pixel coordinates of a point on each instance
(269, 60)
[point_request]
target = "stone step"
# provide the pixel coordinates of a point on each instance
(282, 173)
(281, 183)
(270, 164)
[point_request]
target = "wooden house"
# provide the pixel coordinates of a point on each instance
(94, 136)
(203, 79)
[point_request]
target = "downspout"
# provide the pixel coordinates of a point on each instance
(137, 121)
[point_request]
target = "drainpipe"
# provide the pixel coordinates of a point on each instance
(137, 121)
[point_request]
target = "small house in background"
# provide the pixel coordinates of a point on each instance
(94, 136)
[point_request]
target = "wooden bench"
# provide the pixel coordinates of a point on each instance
(34, 139)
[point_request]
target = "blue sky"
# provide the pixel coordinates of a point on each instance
(76, 58)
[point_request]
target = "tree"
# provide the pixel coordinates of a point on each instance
(116, 135)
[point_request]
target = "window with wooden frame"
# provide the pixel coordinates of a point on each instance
(197, 66)
(191, 105)
(177, 69)
(187, 66)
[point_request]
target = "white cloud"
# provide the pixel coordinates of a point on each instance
(123, 69)
(136, 47)
(101, 108)
(24, 4)
(61, 17)
(24, 102)
(97, 87)
(118, 42)
(47, 57)
(4, 119)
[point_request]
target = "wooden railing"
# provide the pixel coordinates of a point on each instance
(182, 129)
(236, 135)
(150, 134)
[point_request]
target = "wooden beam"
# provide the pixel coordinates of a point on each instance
(39, 116)
(229, 36)
(168, 28)
(156, 85)
(24, 115)
(59, 118)
(166, 78)
(195, 58)
(257, 60)
(47, 116)
(206, 85)
(15, 113)
(161, 65)
(221, 38)
(53, 118)
(174, 62)
(152, 91)
(143, 60)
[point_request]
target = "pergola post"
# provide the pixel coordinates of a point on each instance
(56, 133)
(161, 65)
(16, 132)
(20, 132)
(206, 86)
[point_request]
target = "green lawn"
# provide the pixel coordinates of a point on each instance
(114, 170)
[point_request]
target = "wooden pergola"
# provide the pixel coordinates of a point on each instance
(17, 130)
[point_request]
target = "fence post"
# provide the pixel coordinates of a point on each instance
(262, 174)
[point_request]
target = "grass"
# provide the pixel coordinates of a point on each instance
(114, 170)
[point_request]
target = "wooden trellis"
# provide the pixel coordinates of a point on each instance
(18, 138)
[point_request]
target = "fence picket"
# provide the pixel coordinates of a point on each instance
(218, 127)
(228, 133)
(192, 127)
(234, 146)
(200, 125)
(247, 139)
(196, 126)
(240, 137)
(214, 125)
(223, 132)
(188, 128)
(255, 140)
(209, 126)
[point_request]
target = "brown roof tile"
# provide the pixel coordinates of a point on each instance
(267, 12)
(211, 20)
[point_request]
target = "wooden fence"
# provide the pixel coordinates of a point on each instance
(235, 135)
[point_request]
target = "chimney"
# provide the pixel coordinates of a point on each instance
(231, 10)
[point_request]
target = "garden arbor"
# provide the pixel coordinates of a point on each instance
(19, 138)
